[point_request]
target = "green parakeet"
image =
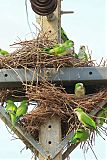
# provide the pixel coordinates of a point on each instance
(63, 35)
(79, 90)
(11, 109)
(82, 54)
(22, 109)
(80, 135)
(60, 49)
(101, 116)
(86, 120)
(3, 52)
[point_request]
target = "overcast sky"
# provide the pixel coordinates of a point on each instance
(87, 26)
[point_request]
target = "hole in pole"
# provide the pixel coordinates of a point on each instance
(49, 142)
(49, 126)
(5, 74)
(90, 73)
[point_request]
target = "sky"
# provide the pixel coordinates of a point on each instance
(87, 26)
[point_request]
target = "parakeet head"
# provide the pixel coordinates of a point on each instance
(80, 85)
(82, 48)
(78, 110)
(9, 102)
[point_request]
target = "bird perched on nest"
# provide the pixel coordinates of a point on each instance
(79, 90)
(11, 109)
(82, 54)
(86, 120)
(80, 135)
(60, 49)
(3, 52)
(64, 38)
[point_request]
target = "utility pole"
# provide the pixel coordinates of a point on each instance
(50, 23)
(50, 144)
(50, 132)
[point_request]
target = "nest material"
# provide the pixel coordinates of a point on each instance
(50, 100)
(54, 101)
(30, 54)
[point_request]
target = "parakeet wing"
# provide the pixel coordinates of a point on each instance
(22, 109)
(86, 120)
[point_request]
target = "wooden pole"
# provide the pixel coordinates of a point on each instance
(52, 26)
(50, 136)
(50, 132)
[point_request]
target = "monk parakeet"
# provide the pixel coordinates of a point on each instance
(60, 49)
(11, 109)
(63, 35)
(101, 116)
(82, 54)
(22, 109)
(80, 135)
(79, 90)
(3, 52)
(86, 120)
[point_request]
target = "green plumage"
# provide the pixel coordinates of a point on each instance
(86, 120)
(79, 90)
(82, 54)
(60, 49)
(3, 52)
(11, 109)
(80, 135)
(22, 109)
(13, 118)
(63, 35)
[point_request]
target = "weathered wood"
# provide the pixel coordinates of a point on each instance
(52, 26)
(50, 136)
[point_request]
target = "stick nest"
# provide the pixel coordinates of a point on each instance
(30, 54)
(51, 100)
(54, 101)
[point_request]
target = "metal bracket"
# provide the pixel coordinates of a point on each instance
(10, 78)
(67, 12)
